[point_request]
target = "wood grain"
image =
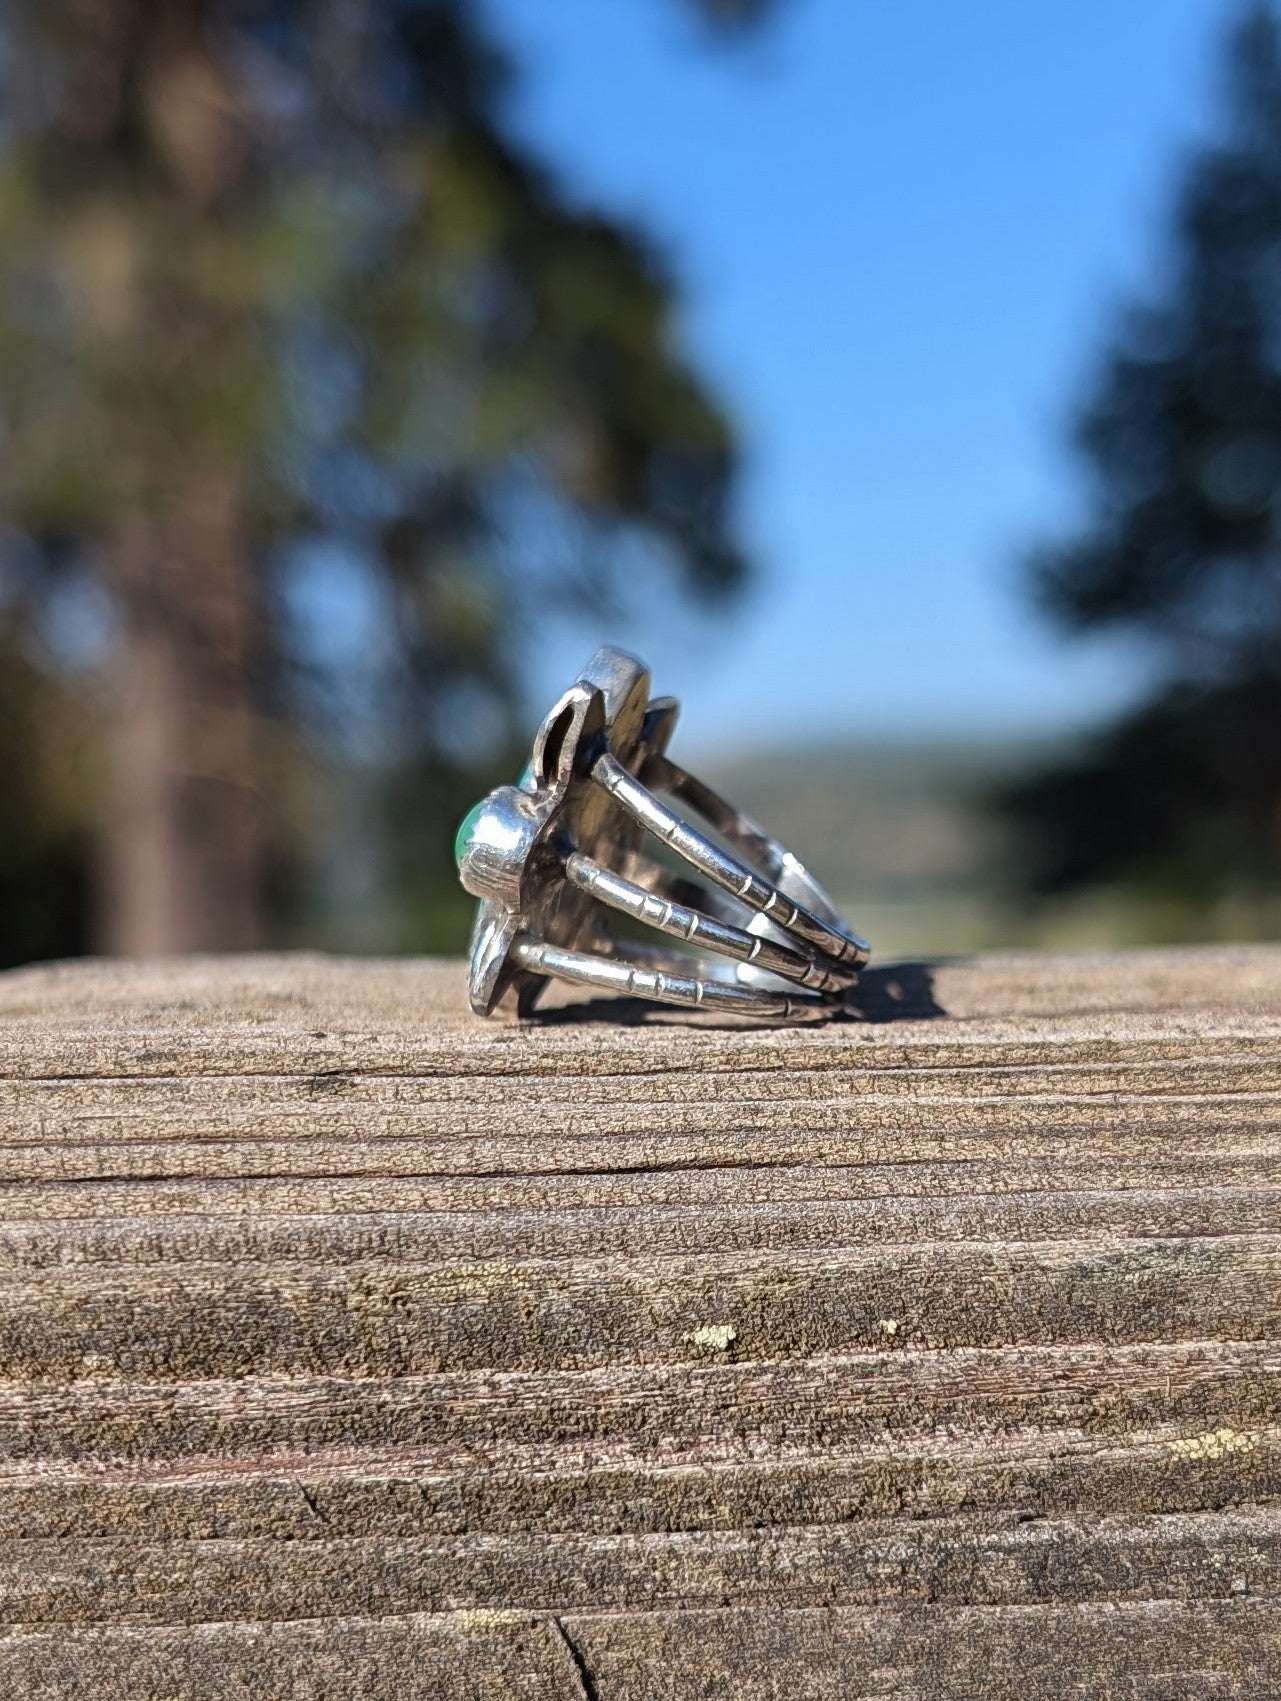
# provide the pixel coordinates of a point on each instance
(352, 1347)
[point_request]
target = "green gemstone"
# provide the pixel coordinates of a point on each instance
(466, 827)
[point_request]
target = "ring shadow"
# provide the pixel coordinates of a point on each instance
(898, 992)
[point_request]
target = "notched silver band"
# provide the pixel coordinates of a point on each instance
(698, 928)
(846, 952)
(637, 979)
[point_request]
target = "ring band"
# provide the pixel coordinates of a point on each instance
(699, 928)
(732, 876)
(638, 980)
(552, 858)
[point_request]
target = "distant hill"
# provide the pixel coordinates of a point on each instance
(899, 834)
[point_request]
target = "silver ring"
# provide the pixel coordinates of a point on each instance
(553, 858)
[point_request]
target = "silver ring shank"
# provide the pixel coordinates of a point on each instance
(682, 922)
(843, 952)
(766, 854)
(636, 980)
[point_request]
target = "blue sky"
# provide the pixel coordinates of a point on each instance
(900, 225)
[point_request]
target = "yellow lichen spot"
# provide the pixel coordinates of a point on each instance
(717, 1336)
(1215, 1444)
(888, 1326)
(466, 1281)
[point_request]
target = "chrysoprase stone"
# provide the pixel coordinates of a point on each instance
(466, 827)
(468, 823)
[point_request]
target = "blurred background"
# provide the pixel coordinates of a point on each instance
(903, 382)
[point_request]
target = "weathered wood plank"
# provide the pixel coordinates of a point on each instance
(466, 1656)
(694, 1188)
(907, 1401)
(415, 1238)
(314, 1018)
(392, 1317)
(957, 1561)
(349, 1346)
(1148, 1651)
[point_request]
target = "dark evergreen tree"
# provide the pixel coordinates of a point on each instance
(1181, 548)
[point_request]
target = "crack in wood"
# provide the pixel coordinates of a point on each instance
(583, 1677)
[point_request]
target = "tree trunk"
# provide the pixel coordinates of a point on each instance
(182, 836)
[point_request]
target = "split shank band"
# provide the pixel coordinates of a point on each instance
(587, 835)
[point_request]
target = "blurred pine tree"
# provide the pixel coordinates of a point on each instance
(316, 392)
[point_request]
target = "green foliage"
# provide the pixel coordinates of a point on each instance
(1181, 446)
